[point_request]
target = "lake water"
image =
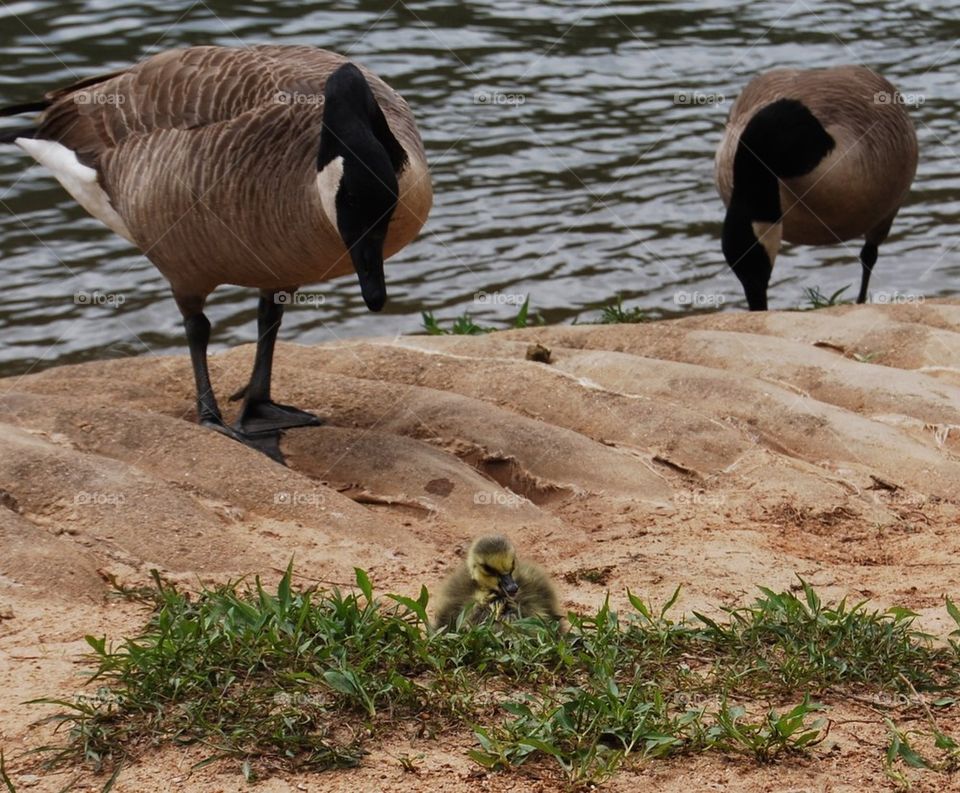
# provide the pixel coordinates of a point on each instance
(571, 146)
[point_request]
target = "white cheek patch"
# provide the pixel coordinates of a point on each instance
(768, 234)
(328, 183)
(77, 179)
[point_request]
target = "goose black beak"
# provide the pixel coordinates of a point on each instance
(368, 262)
(508, 586)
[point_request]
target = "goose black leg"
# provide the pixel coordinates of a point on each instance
(868, 253)
(868, 258)
(197, 327)
(260, 413)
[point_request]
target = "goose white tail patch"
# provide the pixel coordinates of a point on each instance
(769, 236)
(77, 179)
(328, 183)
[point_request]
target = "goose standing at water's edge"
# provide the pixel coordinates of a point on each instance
(269, 167)
(817, 156)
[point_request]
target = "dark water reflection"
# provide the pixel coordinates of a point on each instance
(571, 145)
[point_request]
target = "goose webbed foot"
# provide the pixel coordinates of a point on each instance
(266, 442)
(262, 416)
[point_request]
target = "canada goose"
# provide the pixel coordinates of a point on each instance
(816, 156)
(497, 586)
(267, 166)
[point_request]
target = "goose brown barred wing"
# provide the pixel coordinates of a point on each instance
(192, 88)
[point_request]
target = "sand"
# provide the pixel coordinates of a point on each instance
(717, 452)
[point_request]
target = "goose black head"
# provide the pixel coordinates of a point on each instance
(357, 167)
(491, 562)
(783, 140)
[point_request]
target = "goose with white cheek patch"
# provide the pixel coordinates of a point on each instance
(818, 157)
(269, 167)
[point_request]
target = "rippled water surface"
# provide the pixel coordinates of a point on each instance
(571, 145)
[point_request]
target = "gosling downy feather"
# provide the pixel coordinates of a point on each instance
(818, 157)
(493, 584)
(267, 166)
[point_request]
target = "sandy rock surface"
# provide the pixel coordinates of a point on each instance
(717, 452)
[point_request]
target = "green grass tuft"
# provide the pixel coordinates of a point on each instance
(4, 776)
(465, 326)
(462, 326)
(817, 299)
(616, 314)
(303, 679)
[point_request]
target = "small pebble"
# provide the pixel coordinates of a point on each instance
(538, 353)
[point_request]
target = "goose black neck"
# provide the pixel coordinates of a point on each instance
(756, 189)
(783, 140)
(353, 122)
